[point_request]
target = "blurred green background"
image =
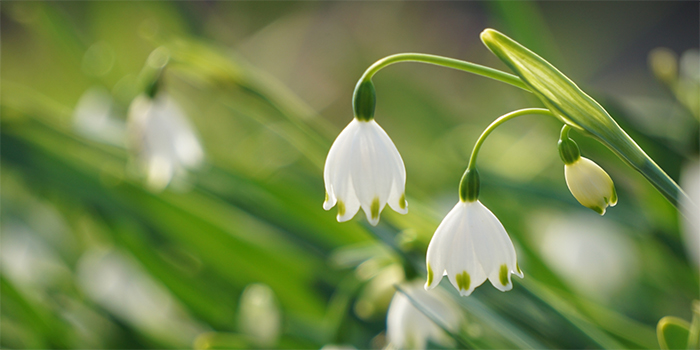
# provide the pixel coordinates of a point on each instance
(238, 252)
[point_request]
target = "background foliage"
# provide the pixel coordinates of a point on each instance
(92, 259)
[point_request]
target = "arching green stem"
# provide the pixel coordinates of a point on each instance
(468, 186)
(444, 62)
(502, 119)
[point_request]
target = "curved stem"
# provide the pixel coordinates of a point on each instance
(469, 185)
(444, 62)
(502, 119)
(564, 132)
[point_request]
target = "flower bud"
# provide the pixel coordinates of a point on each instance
(590, 185)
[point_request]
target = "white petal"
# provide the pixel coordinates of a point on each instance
(160, 172)
(494, 248)
(397, 198)
(336, 163)
(336, 173)
(396, 320)
(348, 204)
(370, 170)
(439, 247)
(184, 142)
(463, 267)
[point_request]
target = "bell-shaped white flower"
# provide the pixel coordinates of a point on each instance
(590, 185)
(162, 138)
(408, 328)
(364, 169)
(469, 246)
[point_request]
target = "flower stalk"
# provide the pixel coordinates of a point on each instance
(465, 66)
(587, 181)
(469, 185)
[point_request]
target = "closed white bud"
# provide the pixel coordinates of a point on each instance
(590, 185)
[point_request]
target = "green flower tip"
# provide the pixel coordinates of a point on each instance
(463, 281)
(488, 35)
(430, 276)
(402, 201)
(341, 208)
(503, 275)
(374, 208)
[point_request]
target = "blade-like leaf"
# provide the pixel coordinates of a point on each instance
(672, 333)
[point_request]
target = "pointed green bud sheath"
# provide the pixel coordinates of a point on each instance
(469, 186)
(569, 151)
(364, 100)
(575, 108)
(153, 87)
(152, 73)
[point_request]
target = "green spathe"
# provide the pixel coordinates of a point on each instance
(575, 108)
(569, 151)
(469, 186)
(463, 280)
(503, 275)
(364, 100)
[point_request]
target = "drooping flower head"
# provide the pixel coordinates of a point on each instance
(469, 246)
(588, 182)
(364, 168)
(162, 138)
(590, 185)
(408, 328)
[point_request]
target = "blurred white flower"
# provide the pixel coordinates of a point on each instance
(408, 328)
(591, 254)
(364, 169)
(117, 283)
(590, 185)
(93, 117)
(469, 246)
(259, 315)
(163, 139)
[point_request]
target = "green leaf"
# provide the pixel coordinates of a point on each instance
(575, 108)
(672, 333)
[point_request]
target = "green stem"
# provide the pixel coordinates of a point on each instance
(564, 132)
(469, 185)
(502, 119)
(444, 62)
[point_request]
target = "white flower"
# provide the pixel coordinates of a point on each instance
(259, 315)
(408, 328)
(364, 169)
(590, 185)
(469, 246)
(94, 117)
(163, 139)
